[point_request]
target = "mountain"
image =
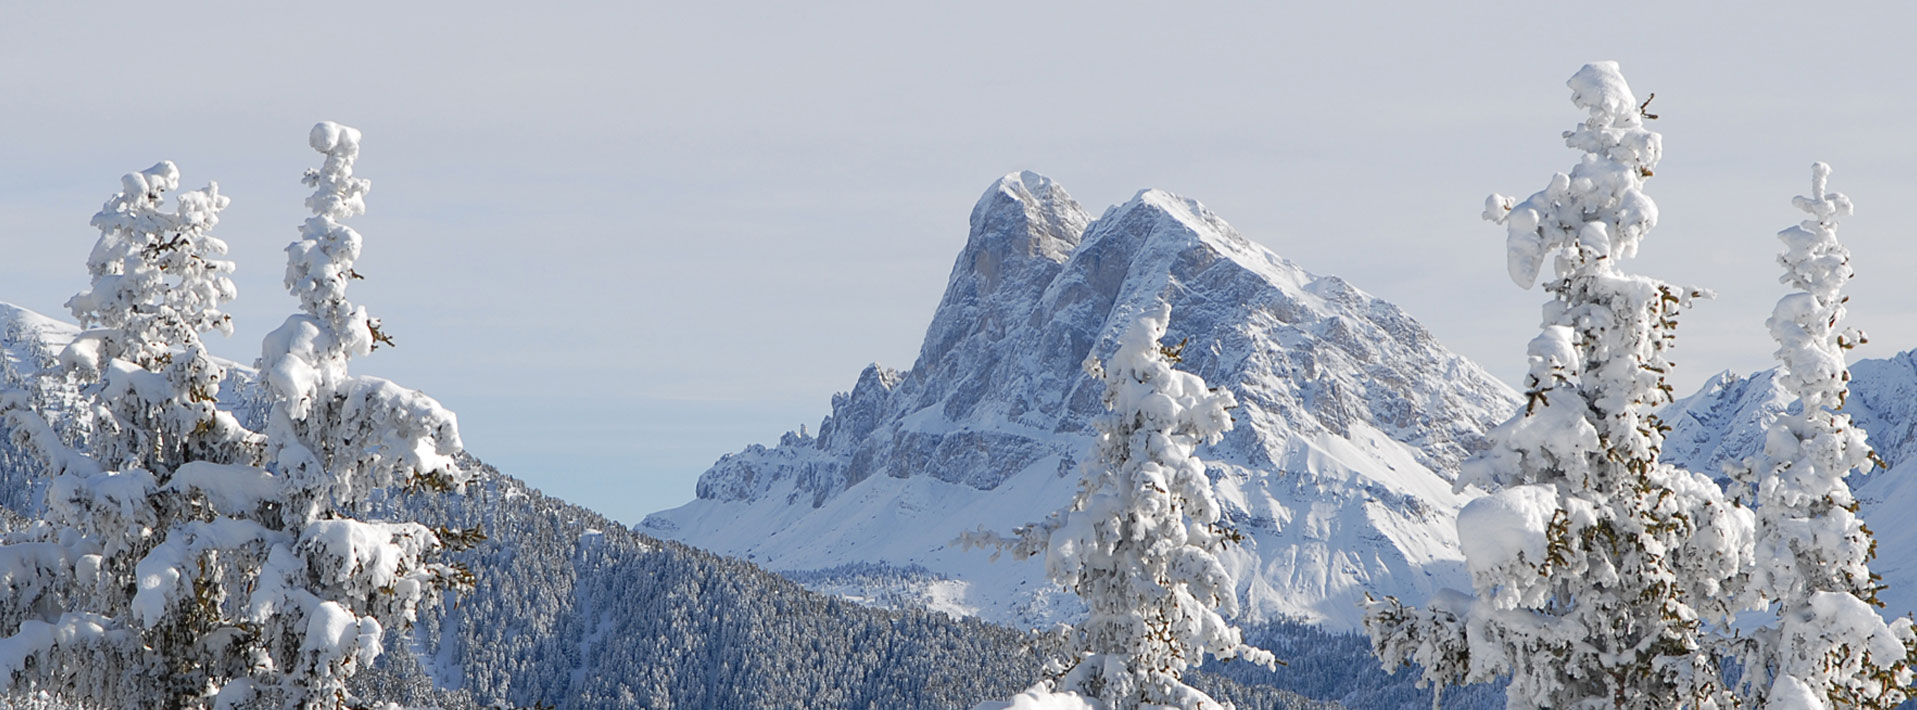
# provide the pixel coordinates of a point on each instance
(572, 610)
(1351, 424)
(1724, 423)
(28, 342)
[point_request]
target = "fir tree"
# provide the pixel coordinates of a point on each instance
(1828, 648)
(89, 611)
(1139, 543)
(335, 583)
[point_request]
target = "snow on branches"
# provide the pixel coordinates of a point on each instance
(1595, 566)
(157, 286)
(1600, 210)
(1828, 648)
(333, 438)
(322, 418)
(156, 280)
(97, 601)
(1139, 543)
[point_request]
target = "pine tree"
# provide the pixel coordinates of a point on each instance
(1595, 566)
(1828, 648)
(1139, 543)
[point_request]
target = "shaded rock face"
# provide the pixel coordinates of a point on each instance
(1352, 420)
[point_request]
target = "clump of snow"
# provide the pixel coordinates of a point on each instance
(37, 639)
(1599, 209)
(232, 489)
(1507, 530)
(371, 555)
(164, 575)
(1792, 694)
(335, 636)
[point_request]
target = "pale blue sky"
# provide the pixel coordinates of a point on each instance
(623, 241)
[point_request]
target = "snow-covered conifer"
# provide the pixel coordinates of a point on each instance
(157, 286)
(1596, 567)
(84, 615)
(185, 561)
(1829, 648)
(333, 435)
(333, 584)
(1139, 543)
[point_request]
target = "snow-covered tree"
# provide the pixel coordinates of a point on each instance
(333, 436)
(1595, 566)
(186, 561)
(157, 286)
(333, 583)
(81, 612)
(1829, 648)
(1139, 542)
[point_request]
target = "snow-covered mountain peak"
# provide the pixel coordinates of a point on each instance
(1723, 421)
(31, 331)
(1184, 211)
(1032, 213)
(1022, 229)
(1352, 418)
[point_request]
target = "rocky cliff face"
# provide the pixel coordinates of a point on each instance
(1353, 418)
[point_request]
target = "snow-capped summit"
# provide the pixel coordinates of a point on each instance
(1030, 214)
(1352, 421)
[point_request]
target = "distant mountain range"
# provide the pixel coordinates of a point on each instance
(1353, 419)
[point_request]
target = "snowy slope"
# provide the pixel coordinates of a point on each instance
(1724, 422)
(28, 344)
(1352, 421)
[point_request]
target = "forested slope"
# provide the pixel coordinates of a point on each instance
(573, 611)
